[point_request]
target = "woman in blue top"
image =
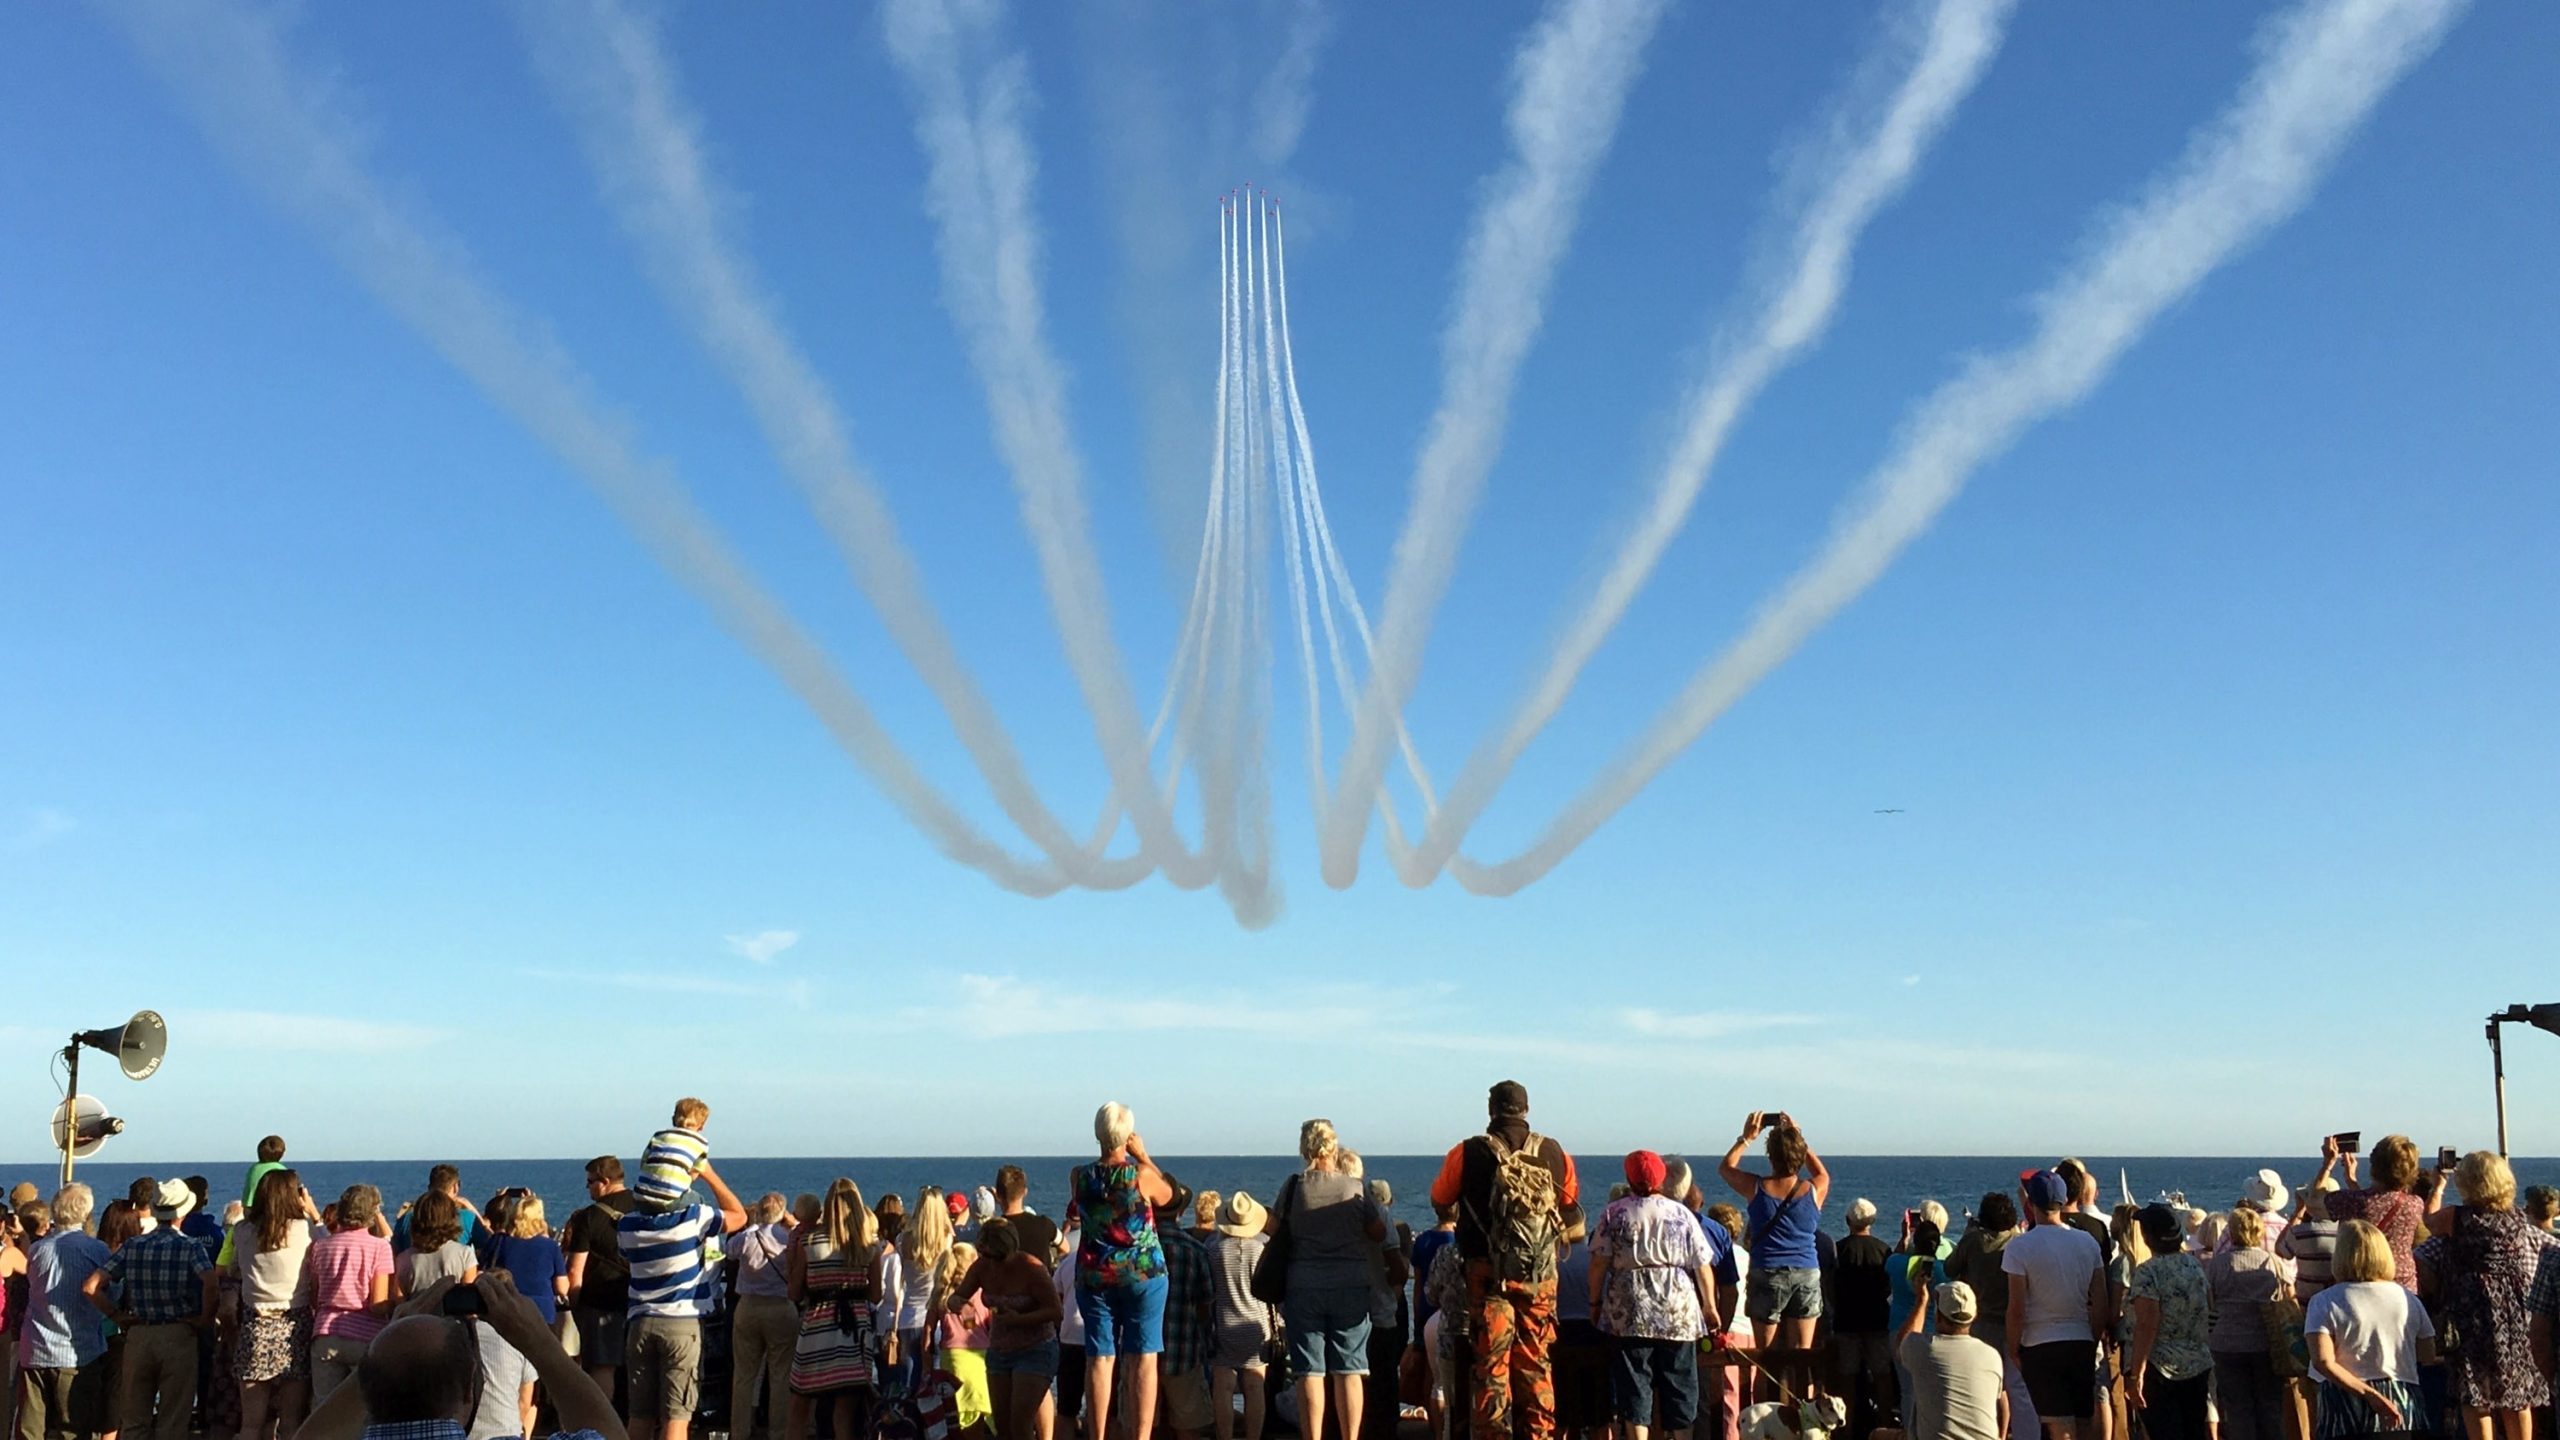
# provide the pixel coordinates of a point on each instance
(1120, 1282)
(1783, 1295)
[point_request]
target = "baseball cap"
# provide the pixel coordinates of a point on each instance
(2046, 1190)
(1956, 1304)
(1508, 1100)
(1862, 1211)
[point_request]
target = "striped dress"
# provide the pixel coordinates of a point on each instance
(836, 1327)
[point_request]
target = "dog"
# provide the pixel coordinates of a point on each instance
(1773, 1420)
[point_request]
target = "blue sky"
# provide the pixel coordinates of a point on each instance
(349, 730)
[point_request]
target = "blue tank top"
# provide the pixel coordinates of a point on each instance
(1782, 1234)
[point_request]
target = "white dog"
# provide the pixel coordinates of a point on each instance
(1771, 1420)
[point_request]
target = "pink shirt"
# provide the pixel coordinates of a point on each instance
(343, 1266)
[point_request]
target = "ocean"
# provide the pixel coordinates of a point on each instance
(1893, 1182)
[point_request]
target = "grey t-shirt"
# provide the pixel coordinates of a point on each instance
(1329, 1232)
(1956, 1384)
(422, 1268)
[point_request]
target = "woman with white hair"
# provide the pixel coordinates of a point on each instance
(1120, 1279)
(1334, 1235)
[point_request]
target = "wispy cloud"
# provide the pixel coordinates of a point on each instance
(762, 946)
(1707, 1024)
(1910, 980)
(272, 1031)
(40, 827)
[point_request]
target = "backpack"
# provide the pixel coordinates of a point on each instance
(1524, 1225)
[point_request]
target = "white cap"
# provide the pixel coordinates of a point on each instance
(1956, 1304)
(1862, 1211)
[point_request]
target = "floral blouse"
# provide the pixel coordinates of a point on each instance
(2176, 1281)
(1652, 1250)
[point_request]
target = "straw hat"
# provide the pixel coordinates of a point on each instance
(1241, 1217)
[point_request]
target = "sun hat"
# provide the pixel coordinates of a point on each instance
(2265, 1191)
(1241, 1217)
(1956, 1304)
(1645, 1171)
(174, 1200)
(1862, 1211)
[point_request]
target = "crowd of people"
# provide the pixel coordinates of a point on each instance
(2412, 1300)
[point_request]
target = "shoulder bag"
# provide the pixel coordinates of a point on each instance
(1270, 1282)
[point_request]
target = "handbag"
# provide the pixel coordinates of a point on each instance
(2287, 1353)
(1270, 1282)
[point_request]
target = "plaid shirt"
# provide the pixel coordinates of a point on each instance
(163, 1273)
(2544, 1297)
(1186, 1301)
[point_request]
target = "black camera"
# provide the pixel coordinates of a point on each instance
(464, 1300)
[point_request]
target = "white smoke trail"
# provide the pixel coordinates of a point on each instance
(1949, 54)
(617, 85)
(1297, 540)
(1330, 573)
(2325, 66)
(288, 134)
(979, 185)
(1570, 87)
(1187, 676)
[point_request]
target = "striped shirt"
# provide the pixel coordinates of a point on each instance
(667, 1167)
(664, 1250)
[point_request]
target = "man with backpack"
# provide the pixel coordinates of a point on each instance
(1515, 1193)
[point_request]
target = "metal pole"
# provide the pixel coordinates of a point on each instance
(71, 1107)
(2498, 1066)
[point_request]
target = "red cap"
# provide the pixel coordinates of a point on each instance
(956, 1203)
(1645, 1171)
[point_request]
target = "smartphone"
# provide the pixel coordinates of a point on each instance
(464, 1300)
(2446, 1159)
(2350, 1141)
(1910, 1218)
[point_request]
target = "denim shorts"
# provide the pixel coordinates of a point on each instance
(1124, 1319)
(1783, 1293)
(1040, 1359)
(1328, 1330)
(1643, 1371)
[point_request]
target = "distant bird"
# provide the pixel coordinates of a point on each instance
(1888, 812)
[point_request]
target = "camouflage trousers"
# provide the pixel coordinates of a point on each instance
(1511, 1332)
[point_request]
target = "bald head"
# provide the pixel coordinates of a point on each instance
(421, 1367)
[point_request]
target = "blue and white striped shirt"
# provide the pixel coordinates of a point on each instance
(664, 1250)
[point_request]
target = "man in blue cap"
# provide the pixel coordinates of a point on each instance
(2058, 1307)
